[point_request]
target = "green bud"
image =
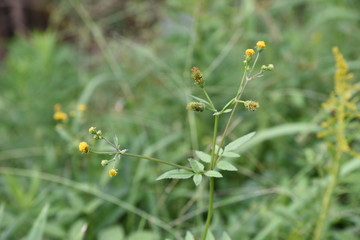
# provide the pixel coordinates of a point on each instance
(104, 163)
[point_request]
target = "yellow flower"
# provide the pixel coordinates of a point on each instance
(112, 172)
(61, 116)
(84, 147)
(261, 44)
(249, 52)
(81, 107)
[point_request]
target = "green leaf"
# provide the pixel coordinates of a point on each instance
(238, 142)
(200, 100)
(213, 173)
(143, 235)
(112, 232)
(225, 236)
(203, 156)
(196, 165)
(197, 179)
(223, 165)
(221, 112)
(210, 236)
(230, 154)
(189, 236)
(217, 149)
(37, 229)
(176, 174)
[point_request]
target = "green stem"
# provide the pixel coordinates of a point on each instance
(157, 160)
(147, 158)
(238, 96)
(256, 59)
(210, 208)
(208, 98)
(327, 198)
(212, 181)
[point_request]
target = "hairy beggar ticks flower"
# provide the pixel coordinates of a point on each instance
(112, 172)
(249, 52)
(84, 147)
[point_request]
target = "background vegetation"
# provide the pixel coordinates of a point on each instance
(129, 63)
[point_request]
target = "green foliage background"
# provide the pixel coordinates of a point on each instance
(136, 83)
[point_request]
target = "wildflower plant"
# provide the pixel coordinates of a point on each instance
(203, 164)
(338, 132)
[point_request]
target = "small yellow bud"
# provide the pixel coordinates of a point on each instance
(99, 133)
(61, 116)
(196, 106)
(270, 67)
(112, 172)
(92, 130)
(249, 52)
(81, 107)
(104, 163)
(251, 105)
(84, 147)
(260, 45)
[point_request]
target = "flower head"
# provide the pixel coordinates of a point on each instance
(196, 106)
(249, 52)
(197, 76)
(260, 45)
(61, 116)
(251, 105)
(84, 147)
(112, 172)
(92, 130)
(104, 162)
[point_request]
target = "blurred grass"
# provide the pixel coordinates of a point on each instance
(276, 193)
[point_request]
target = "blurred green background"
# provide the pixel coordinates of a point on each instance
(129, 62)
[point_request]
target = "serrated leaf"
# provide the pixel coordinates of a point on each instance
(230, 154)
(225, 236)
(203, 156)
(189, 236)
(226, 166)
(196, 165)
(197, 179)
(213, 173)
(238, 142)
(176, 174)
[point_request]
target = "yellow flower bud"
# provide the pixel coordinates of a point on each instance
(261, 44)
(249, 52)
(84, 147)
(196, 106)
(61, 116)
(112, 172)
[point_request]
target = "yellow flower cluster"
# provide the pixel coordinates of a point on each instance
(341, 106)
(251, 105)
